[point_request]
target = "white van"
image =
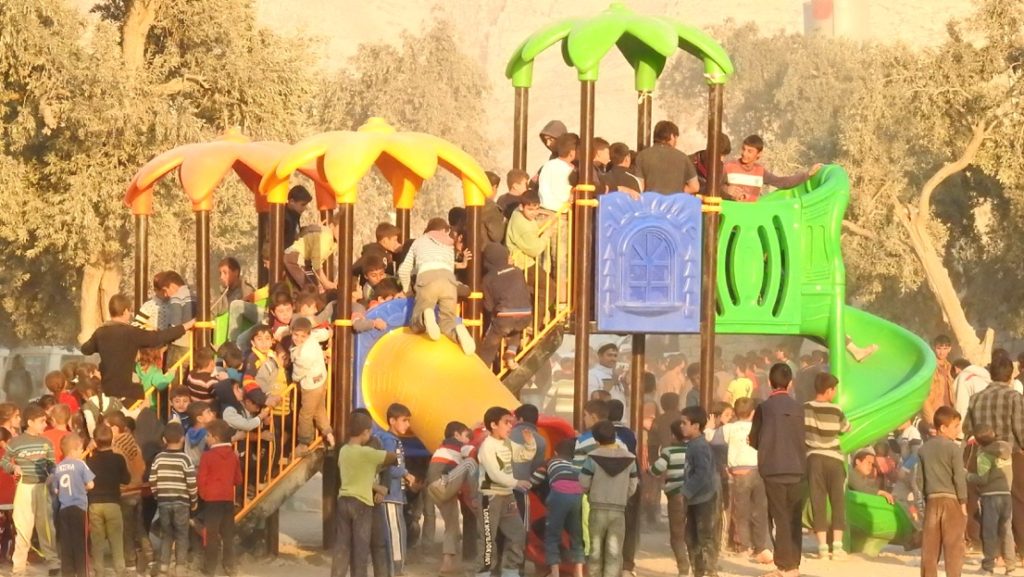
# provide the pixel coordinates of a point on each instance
(38, 362)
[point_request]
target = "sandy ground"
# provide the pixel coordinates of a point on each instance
(301, 534)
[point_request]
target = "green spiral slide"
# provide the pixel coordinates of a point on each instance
(780, 272)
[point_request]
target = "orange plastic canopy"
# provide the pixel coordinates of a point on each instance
(203, 166)
(405, 159)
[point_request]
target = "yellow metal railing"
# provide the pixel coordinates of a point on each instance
(269, 452)
(551, 284)
(180, 369)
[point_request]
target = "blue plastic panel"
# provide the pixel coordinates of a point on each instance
(396, 313)
(648, 263)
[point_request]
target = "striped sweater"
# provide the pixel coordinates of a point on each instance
(823, 423)
(33, 454)
(173, 478)
(431, 252)
(560, 474)
(585, 444)
(671, 463)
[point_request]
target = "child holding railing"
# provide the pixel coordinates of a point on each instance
(309, 370)
(149, 373)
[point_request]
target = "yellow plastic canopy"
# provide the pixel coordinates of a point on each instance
(406, 159)
(203, 166)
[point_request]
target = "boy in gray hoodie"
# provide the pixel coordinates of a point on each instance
(609, 478)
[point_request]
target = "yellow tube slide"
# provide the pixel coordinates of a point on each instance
(435, 379)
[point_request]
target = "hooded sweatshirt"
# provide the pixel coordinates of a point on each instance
(554, 129)
(970, 381)
(609, 477)
(995, 471)
(506, 293)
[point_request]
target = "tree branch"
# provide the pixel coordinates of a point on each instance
(179, 84)
(979, 132)
(858, 230)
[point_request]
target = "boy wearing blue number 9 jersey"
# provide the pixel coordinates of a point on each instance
(70, 482)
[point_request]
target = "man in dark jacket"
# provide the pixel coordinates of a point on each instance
(118, 343)
(777, 433)
(508, 302)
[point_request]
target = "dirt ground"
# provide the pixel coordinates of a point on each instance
(301, 554)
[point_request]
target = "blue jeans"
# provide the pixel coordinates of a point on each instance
(996, 536)
(174, 524)
(565, 513)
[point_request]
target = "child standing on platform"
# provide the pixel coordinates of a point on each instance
(71, 480)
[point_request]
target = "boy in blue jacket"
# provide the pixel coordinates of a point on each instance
(397, 479)
(700, 490)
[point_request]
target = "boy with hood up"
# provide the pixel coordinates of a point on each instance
(609, 478)
(431, 259)
(507, 300)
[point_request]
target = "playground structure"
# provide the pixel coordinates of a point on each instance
(771, 267)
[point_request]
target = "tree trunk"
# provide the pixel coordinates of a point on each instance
(915, 219)
(99, 282)
(138, 20)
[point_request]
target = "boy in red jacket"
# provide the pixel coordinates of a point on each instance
(219, 473)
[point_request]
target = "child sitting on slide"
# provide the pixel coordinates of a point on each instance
(432, 259)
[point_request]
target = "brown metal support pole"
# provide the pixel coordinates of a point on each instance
(473, 316)
(202, 334)
(262, 231)
(273, 529)
(709, 292)
(583, 253)
(327, 216)
(403, 220)
(520, 127)
(276, 243)
(342, 370)
(142, 279)
(638, 361)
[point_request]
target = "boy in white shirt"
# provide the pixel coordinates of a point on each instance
(309, 370)
(749, 501)
(498, 511)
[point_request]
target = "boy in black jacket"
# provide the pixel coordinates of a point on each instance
(507, 299)
(777, 433)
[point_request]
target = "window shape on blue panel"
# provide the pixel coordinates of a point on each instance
(651, 268)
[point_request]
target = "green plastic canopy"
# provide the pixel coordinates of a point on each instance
(645, 41)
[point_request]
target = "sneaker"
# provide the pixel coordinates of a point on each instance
(839, 554)
(465, 339)
(430, 324)
(509, 359)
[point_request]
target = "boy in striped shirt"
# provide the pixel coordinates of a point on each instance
(594, 411)
(447, 474)
(824, 421)
(29, 457)
(431, 259)
(173, 478)
(671, 463)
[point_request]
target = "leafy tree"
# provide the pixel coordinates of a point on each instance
(930, 141)
(83, 112)
(425, 84)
